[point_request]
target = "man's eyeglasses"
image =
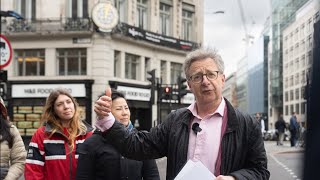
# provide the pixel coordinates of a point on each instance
(197, 78)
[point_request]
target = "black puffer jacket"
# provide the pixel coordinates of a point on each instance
(99, 160)
(243, 154)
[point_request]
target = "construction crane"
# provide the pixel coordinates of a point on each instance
(243, 19)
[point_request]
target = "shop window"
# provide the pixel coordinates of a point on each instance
(165, 19)
(142, 14)
(30, 62)
(131, 66)
(27, 118)
(71, 62)
(176, 71)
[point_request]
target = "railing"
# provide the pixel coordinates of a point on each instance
(48, 25)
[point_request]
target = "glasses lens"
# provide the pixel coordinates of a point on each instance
(197, 78)
(212, 75)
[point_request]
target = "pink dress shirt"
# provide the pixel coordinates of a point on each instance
(204, 146)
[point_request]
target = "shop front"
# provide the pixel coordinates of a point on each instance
(138, 98)
(26, 100)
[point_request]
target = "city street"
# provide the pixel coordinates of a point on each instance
(284, 162)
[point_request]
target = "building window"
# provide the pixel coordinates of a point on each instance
(297, 93)
(26, 8)
(297, 108)
(303, 60)
(187, 21)
(122, 8)
(291, 109)
(30, 62)
(132, 65)
(291, 95)
(72, 62)
(297, 78)
(286, 97)
(176, 71)
(286, 82)
(147, 67)
(165, 19)
(303, 108)
(77, 9)
(303, 77)
(286, 110)
(142, 14)
(117, 64)
(291, 81)
(309, 58)
(302, 91)
(163, 72)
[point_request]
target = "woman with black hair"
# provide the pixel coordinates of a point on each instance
(13, 153)
(99, 160)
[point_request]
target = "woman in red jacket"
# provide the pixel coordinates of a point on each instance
(53, 150)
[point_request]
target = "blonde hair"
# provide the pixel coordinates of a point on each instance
(76, 128)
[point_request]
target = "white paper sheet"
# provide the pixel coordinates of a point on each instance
(193, 171)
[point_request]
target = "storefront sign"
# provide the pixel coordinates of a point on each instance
(43, 90)
(155, 38)
(132, 93)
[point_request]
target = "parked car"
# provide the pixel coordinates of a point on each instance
(272, 135)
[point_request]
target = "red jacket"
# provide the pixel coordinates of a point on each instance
(50, 158)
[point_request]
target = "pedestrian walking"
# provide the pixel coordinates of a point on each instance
(53, 150)
(12, 151)
(226, 141)
(99, 160)
(261, 122)
(280, 128)
(294, 129)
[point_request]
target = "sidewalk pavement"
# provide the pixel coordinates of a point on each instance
(271, 147)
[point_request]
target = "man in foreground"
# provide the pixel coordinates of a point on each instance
(229, 143)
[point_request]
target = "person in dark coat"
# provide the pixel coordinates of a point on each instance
(99, 160)
(280, 127)
(294, 129)
(210, 131)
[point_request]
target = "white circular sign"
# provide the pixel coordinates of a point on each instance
(105, 16)
(5, 51)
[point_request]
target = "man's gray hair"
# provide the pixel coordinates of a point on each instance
(202, 54)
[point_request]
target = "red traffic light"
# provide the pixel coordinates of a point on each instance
(167, 90)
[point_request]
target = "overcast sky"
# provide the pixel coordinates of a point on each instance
(225, 31)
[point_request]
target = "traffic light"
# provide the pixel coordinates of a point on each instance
(166, 93)
(3, 76)
(152, 79)
(182, 88)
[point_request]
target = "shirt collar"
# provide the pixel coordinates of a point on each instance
(219, 110)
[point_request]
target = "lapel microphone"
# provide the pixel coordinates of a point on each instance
(195, 128)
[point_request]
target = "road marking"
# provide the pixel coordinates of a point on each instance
(286, 168)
